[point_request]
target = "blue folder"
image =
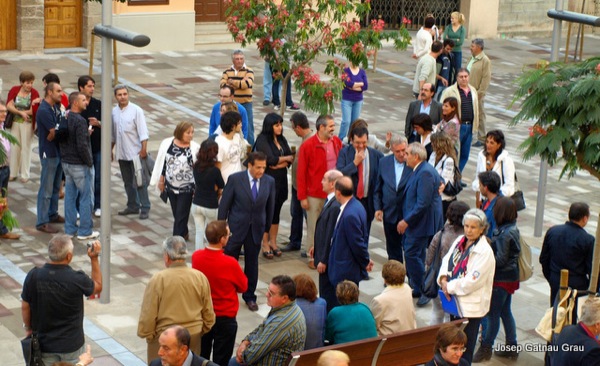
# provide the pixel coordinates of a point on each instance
(450, 306)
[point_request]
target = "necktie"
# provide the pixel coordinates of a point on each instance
(360, 189)
(254, 189)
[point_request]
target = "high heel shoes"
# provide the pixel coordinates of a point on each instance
(268, 254)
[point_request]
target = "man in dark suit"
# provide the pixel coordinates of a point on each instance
(247, 204)
(323, 234)
(389, 194)
(425, 104)
(349, 256)
(569, 247)
(361, 164)
(175, 349)
(422, 209)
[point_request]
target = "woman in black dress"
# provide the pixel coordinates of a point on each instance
(279, 157)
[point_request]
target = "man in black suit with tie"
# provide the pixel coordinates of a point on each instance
(425, 104)
(247, 204)
(361, 164)
(323, 234)
(389, 195)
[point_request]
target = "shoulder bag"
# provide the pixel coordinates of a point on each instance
(9, 121)
(518, 196)
(557, 316)
(430, 286)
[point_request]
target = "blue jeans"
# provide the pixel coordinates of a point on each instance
(248, 107)
(267, 82)
(97, 168)
(466, 136)
(298, 215)
(47, 199)
(350, 113)
(137, 197)
(500, 309)
(73, 357)
(4, 176)
(456, 64)
(78, 181)
(277, 88)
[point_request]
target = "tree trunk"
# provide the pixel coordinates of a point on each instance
(284, 92)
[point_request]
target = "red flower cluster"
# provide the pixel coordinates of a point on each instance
(328, 95)
(349, 29)
(377, 25)
(341, 2)
(358, 48)
(537, 130)
(405, 20)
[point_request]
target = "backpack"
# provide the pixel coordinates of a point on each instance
(525, 262)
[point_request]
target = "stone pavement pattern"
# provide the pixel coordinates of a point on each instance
(172, 87)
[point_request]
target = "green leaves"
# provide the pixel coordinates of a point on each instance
(564, 100)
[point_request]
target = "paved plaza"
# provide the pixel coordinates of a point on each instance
(172, 87)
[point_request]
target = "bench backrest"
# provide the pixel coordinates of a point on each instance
(411, 347)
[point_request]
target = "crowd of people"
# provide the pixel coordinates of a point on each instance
(234, 186)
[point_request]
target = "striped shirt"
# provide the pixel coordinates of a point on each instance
(242, 88)
(280, 334)
(466, 106)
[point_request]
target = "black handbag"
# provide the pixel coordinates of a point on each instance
(430, 286)
(32, 351)
(8, 122)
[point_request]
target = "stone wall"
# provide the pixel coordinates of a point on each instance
(30, 26)
(529, 17)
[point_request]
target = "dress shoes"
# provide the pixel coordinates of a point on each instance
(57, 219)
(46, 228)
(252, 305)
(311, 264)
(289, 248)
(423, 300)
(416, 295)
(9, 235)
(129, 211)
(144, 215)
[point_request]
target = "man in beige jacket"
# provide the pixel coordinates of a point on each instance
(177, 295)
(480, 68)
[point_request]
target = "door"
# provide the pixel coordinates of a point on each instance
(8, 24)
(62, 23)
(209, 10)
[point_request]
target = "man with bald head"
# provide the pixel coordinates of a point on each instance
(175, 349)
(349, 256)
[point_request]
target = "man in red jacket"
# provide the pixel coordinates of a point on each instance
(226, 279)
(317, 155)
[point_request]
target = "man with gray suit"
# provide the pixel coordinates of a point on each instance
(389, 195)
(426, 104)
(323, 235)
(247, 204)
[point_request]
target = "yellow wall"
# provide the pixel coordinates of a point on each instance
(174, 6)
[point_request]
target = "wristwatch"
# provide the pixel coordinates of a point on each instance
(26, 327)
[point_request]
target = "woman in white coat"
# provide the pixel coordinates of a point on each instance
(174, 173)
(494, 157)
(467, 272)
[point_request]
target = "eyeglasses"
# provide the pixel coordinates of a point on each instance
(271, 293)
(457, 349)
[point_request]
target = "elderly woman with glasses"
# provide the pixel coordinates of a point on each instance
(449, 347)
(467, 273)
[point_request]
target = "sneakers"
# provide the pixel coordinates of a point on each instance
(513, 355)
(484, 353)
(266, 102)
(93, 235)
(97, 212)
(294, 107)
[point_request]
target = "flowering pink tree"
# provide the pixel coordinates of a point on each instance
(291, 34)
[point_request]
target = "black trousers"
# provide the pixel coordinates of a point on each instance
(393, 242)
(181, 203)
(220, 340)
(251, 252)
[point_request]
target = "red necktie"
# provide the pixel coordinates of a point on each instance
(360, 189)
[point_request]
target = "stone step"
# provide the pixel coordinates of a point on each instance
(213, 35)
(211, 27)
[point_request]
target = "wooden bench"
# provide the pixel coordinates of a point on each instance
(412, 347)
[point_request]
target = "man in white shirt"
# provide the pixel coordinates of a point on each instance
(427, 68)
(424, 39)
(130, 135)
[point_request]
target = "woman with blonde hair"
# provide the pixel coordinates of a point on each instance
(456, 32)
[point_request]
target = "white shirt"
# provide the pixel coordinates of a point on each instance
(230, 155)
(129, 130)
